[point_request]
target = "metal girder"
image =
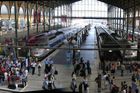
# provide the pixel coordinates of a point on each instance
(120, 4)
(53, 3)
(90, 17)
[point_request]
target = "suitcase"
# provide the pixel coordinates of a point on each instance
(20, 85)
(12, 86)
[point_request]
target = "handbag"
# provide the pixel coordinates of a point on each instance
(55, 72)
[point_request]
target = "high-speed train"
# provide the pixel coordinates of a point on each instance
(51, 39)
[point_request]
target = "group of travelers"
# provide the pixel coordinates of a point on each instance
(106, 80)
(81, 69)
(50, 72)
(14, 73)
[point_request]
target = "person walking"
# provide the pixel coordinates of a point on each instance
(24, 79)
(47, 65)
(134, 86)
(73, 85)
(122, 69)
(88, 67)
(39, 68)
(81, 87)
(33, 67)
(86, 85)
(98, 81)
(129, 89)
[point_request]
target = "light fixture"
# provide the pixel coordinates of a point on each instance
(47, 49)
(78, 50)
(110, 50)
(19, 48)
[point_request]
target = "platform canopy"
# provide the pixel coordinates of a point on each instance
(53, 3)
(124, 4)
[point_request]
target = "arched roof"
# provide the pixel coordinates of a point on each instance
(124, 4)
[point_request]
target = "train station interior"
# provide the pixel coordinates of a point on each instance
(77, 46)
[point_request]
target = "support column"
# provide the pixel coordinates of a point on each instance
(127, 23)
(115, 21)
(61, 14)
(47, 14)
(71, 14)
(54, 27)
(28, 32)
(16, 34)
(44, 17)
(127, 20)
(57, 18)
(118, 21)
(37, 16)
(28, 23)
(49, 18)
(124, 18)
(138, 51)
(0, 20)
(134, 18)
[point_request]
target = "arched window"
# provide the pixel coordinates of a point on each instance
(12, 10)
(21, 11)
(4, 9)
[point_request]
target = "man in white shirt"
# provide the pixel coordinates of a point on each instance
(33, 67)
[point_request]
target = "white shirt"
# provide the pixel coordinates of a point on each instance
(33, 64)
(39, 64)
(26, 72)
(26, 61)
(5, 76)
(104, 77)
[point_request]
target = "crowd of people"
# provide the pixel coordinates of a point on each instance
(50, 72)
(81, 69)
(14, 74)
(107, 79)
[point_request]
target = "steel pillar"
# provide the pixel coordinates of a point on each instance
(134, 18)
(16, 23)
(28, 24)
(44, 17)
(118, 21)
(49, 18)
(28, 32)
(36, 16)
(120, 27)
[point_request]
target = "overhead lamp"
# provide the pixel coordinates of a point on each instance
(19, 48)
(78, 50)
(110, 50)
(47, 49)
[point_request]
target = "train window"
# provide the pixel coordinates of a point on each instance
(58, 33)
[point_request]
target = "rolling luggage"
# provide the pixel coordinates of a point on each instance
(12, 86)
